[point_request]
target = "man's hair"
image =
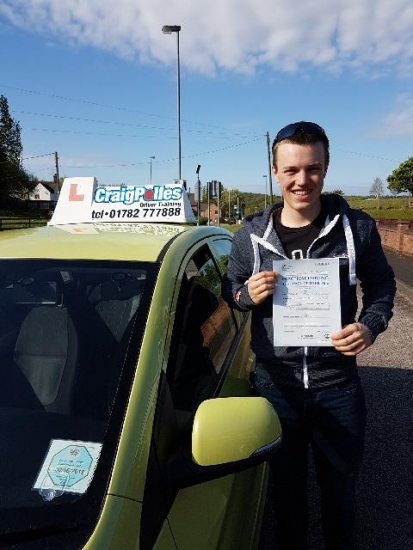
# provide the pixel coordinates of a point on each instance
(301, 137)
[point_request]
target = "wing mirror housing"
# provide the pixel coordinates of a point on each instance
(243, 430)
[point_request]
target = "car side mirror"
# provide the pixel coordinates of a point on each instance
(233, 429)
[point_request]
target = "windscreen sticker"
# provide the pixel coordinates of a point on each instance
(68, 467)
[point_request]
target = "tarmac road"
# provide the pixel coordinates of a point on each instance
(386, 481)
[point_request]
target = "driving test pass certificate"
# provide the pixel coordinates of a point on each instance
(306, 302)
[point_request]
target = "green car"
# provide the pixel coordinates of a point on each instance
(126, 411)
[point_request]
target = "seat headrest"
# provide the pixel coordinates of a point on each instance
(122, 289)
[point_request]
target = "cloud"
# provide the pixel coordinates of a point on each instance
(233, 35)
(399, 122)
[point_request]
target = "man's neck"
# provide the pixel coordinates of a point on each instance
(296, 218)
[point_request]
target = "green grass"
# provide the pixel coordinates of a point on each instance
(398, 208)
(21, 220)
(231, 228)
(5, 214)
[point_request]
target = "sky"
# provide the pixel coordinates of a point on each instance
(96, 83)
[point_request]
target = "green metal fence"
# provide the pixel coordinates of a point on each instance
(21, 223)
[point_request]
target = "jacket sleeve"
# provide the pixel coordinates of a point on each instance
(377, 283)
(240, 267)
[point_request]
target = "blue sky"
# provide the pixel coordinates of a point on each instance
(96, 82)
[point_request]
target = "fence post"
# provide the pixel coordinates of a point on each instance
(402, 226)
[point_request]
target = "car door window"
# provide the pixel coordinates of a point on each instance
(222, 249)
(203, 334)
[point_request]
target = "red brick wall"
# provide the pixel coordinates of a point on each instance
(397, 237)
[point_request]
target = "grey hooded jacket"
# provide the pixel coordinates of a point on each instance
(352, 236)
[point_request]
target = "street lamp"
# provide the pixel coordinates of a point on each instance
(169, 29)
(265, 199)
(150, 169)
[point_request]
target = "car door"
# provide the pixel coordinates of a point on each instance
(209, 357)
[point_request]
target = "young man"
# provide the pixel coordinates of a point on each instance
(315, 390)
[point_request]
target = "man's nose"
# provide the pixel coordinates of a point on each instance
(302, 177)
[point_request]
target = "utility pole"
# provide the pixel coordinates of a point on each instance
(56, 159)
(218, 184)
(198, 192)
(208, 200)
(269, 166)
(266, 192)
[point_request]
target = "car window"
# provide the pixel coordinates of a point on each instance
(203, 335)
(222, 249)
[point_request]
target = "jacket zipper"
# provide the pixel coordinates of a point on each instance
(305, 369)
(298, 255)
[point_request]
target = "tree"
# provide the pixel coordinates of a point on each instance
(338, 192)
(401, 179)
(377, 189)
(10, 134)
(14, 180)
(229, 201)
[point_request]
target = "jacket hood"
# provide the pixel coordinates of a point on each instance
(335, 204)
(260, 226)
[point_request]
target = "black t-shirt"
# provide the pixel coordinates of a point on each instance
(296, 240)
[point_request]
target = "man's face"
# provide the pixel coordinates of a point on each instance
(300, 172)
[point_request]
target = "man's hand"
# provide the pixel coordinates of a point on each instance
(261, 285)
(352, 339)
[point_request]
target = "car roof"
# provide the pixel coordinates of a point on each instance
(111, 241)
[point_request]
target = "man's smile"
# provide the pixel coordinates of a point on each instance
(301, 192)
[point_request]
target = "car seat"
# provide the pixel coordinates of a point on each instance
(46, 353)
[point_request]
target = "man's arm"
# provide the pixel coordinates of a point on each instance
(378, 290)
(378, 286)
(240, 288)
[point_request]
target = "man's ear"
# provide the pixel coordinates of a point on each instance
(274, 173)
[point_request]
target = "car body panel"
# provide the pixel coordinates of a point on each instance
(89, 241)
(119, 527)
(226, 504)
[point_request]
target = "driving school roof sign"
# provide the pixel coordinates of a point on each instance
(82, 200)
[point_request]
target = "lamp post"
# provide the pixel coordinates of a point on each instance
(150, 169)
(169, 29)
(265, 199)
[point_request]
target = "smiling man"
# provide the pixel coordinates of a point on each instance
(315, 390)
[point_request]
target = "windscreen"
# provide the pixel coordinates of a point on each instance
(66, 333)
